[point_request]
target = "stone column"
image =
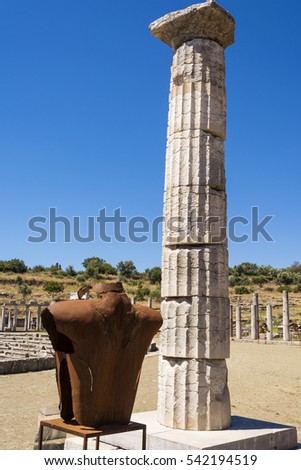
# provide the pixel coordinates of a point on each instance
(29, 319)
(26, 319)
(231, 322)
(9, 321)
(3, 318)
(256, 313)
(286, 316)
(15, 316)
(39, 318)
(270, 322)
(254, 329)
(193, 390)
(238, 322)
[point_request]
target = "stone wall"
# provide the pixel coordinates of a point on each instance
(28, 352)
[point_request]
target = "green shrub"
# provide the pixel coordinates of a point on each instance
(38, 268)
(241, 290)
(53, 287)
(24, 291)
(234, 281)
(154, 275)
(282, 288)
(142, 292)
(259, 280)
(285, 278)
(155, 294)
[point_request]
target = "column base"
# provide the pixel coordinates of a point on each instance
(193, 394)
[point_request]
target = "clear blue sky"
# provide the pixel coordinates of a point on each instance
(83, 115)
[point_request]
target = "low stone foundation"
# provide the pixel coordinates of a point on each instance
(29, 352)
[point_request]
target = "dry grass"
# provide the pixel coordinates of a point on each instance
(9, 285)
(267, 294)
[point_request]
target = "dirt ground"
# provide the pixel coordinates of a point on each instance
(264, 382)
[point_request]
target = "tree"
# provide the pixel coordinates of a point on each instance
(285, 278)
(87, 261)
(109, 269)
(295, 267)
(154, 275)
(14, 265)
(53, 287)
(55, 267)
(247, 269)
(24, 291)
(70, 271)
(95, 267)
(126, 269)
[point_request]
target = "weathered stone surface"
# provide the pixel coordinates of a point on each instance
(195, 336)
(286, 316)
(19, 366)
(188, 272)
(194, 215)
(195, 158)
(196, 327)
(197, 94)
(25, 352)
(206, 20)
(193, 394)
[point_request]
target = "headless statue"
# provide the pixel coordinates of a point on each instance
(99, 346)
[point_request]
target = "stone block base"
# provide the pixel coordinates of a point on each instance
(244, 434)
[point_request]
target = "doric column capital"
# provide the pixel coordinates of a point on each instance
(204, 20)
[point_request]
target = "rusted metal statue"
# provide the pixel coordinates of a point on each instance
(100, 345)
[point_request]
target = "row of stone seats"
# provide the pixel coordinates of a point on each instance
(23, 352)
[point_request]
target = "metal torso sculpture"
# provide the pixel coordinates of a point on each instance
(100, 345)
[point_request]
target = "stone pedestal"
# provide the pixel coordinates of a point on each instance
(193, 391)
(244, 434)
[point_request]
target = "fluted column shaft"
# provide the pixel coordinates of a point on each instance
(193, 391)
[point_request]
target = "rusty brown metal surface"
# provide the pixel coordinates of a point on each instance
(100, 345)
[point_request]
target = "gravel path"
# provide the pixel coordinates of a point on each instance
(264, 382)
